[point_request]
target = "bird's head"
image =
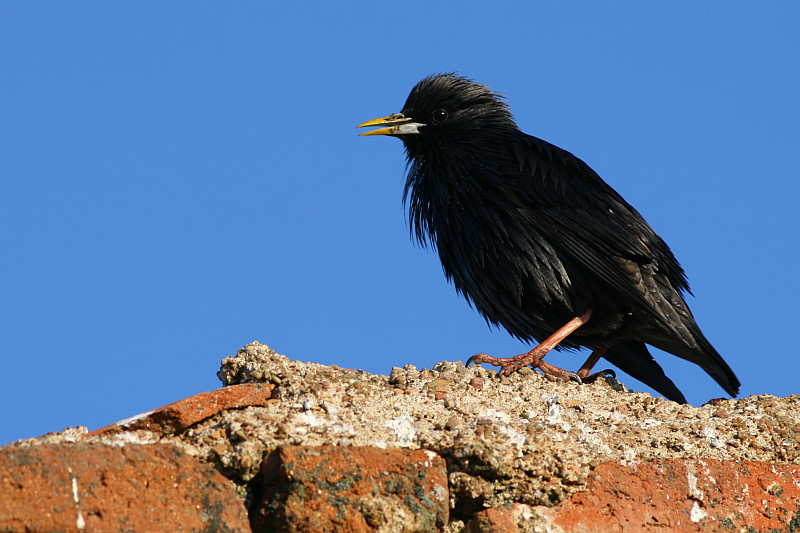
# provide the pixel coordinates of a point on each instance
(443, 108)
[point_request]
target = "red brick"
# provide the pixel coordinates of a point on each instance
(98, 487)
(177, 416)
(352, 489)
(499, 519)
(684, 495)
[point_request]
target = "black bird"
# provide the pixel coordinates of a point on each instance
(533, 238)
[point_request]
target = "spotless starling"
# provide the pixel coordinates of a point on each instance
(533, 238)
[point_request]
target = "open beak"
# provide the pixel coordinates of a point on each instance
(395, 124)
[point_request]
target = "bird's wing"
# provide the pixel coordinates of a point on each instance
(586, 221)
(564, 200)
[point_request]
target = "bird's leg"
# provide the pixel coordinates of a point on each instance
(595, 356)
(509, 365)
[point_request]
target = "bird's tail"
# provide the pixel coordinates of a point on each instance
(699, 351)
(633, 358)
(682, 337)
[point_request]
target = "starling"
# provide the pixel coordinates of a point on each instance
(538, 243)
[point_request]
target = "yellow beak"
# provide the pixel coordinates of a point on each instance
(395, 124)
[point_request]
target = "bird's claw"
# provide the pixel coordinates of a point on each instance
(511, 365)
(605, 373)
(566, 376)
(574, 377)
(472, 360)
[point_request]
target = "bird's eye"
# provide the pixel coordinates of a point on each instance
(440, 115)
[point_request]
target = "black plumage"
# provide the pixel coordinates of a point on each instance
(534, 238)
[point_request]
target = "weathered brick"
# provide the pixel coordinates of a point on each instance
(352, 489)
(101, 487)
(177, 416)
(500, 519)
(684, 495)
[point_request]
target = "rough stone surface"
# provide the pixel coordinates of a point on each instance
(356, 489)
(519, 439)
(100, 487)
(179, 415)
(520, 451)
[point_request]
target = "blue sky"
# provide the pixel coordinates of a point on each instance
(179, 180)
